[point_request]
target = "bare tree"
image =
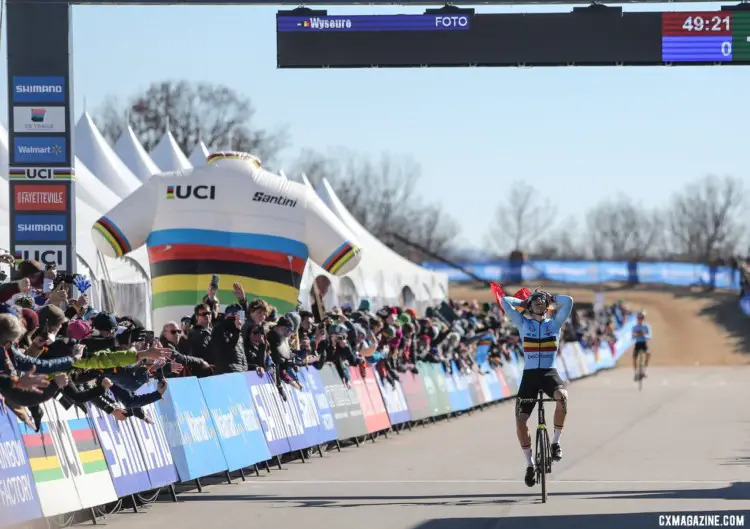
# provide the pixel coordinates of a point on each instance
(621, 229)
(381, 195)
(521, 219)
(707, 219)
(215, 114)
(560, 243)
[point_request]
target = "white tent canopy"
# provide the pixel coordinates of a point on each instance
(92, 191)
(135, 156)
(394, 273)
(168, 156)
(93, 150)
(198, 157)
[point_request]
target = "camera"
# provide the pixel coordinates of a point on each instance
(62, 277)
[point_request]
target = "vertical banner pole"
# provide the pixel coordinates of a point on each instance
(40, 133)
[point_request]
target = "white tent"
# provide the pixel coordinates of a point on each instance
(94, 151)
(168, 156)
(198, 157)
(134, 156)
(397, 279)
(92, 191)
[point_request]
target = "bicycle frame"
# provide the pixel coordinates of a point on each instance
(543, 456)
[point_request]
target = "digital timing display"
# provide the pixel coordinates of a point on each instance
(586, 36)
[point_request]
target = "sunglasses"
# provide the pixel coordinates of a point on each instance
(204, 313)
(175, 331)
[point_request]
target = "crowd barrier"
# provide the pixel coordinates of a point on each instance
(677, 274)
(745, 304)
(225, 423)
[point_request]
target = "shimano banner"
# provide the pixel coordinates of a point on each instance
(19, 501)
(310, 378)
(190, 430)
(122, 453)
(235, 420)
(154, 446)
(266, 398)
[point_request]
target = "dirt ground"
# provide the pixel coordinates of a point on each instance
(690, 327)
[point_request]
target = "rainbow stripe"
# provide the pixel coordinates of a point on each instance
(63, 173)
(87, 446)
(42, 454)
(342, 255)
(183, 260)
(113, 236)
(170, 192)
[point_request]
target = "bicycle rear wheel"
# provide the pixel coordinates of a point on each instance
(541, 462)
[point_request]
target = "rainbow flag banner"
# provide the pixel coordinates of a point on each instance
(67, 461)
(49, 464)
(92, 478)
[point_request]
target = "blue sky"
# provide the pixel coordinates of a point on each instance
(578, 134)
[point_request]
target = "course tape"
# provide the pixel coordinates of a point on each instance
(81, 459)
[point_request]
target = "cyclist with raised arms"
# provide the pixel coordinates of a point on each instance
(641, 337)
(540, 336)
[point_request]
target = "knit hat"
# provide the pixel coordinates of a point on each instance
(284, 322)
(30, 318)
(78, 330)
(104, 321)
(295, 320)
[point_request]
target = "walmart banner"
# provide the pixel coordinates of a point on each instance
(190, 431)
(235, 420)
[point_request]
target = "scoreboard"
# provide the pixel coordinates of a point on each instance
(592, 36)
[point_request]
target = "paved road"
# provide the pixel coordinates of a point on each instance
(680, 446)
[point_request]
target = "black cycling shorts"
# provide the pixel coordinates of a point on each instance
(640, 346)
(533, 380)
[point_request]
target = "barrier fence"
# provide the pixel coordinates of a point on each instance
(592, 272)
(226, 423)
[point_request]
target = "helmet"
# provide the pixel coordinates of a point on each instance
(539, 295)
(641, 314)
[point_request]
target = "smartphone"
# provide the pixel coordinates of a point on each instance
(214, 284)
(149, 340)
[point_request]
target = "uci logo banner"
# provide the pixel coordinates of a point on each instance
(189, 191)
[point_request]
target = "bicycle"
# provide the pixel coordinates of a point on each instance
(543, 455)
(641, 369)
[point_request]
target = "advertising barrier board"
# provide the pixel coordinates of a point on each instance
(268, 405)
(416, 398)
(395, 400)
(347, 415)
(190, 431)
(235, 420)
(122, 453)
(313, 382)
(19, 501)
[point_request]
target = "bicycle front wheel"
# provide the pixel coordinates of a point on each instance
(541, 457)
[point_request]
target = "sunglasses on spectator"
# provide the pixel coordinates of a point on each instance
(175, 331)
(203, 313)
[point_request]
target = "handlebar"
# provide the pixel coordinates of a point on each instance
(536, 400)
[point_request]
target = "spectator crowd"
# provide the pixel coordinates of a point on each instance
(57, 346)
